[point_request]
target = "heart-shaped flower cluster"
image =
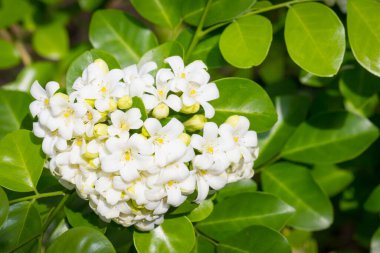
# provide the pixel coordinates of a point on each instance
(117, 138)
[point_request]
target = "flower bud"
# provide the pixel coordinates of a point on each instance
(62, 95)
(103, 116)
(102, 65)
(125, 102)
(195, 123)
(185, 138)
(100, 130)
(90, 156)
(160, 111)
(233, 120)
(190, 109)
(112, 105)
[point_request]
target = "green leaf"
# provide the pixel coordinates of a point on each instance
(332, 179)
(79, 64)
(315, 38)
(232, 189)
(23, 223)
(202, 211)
(309, 79)
(174, 235)
(81, 240)
(9, 56)
(364, 33)
(208, 51)
(165, 13)
(51, 41)
(138, 103)
(12, 11)
(359, 88)
(219, 11)
(160, 53)
(79, 214)
(232, 215)
(375, 242)
(245, 42)
(203, 245)
(295, 185)
(291, 111)
(246, 98)
(255, 239)
(4, 206)
(11, 113)
(372, 204)
(330, 137)
(120, 35)
(21, 162)
(41, 71)
(90, 5)
(120, 237)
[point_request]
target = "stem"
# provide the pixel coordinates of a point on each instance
(25, 56)
(198, 33)
(278, 6)
(56, 210)
(38, 196)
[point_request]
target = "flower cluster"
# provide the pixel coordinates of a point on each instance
(117, 139)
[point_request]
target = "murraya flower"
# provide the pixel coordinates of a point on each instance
(138, 79)
(134, 165)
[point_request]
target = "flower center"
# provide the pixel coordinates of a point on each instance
(46, 102)
(127, 155)
(160, 140)
(183, 75)
(193, 92)
(124, 125)
(161, 93)
(90, 116)
(103, 89)
(171, 182)
(236, 139)
(210, 150)
(68, 113)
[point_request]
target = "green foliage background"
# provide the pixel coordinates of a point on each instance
(306, 75)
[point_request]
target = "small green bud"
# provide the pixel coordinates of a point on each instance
(100, 130)
(190, 109)
(195, 123)
(161, 111)
(124, 103)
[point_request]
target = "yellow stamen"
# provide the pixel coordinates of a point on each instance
(127, 155)
(202, 172)
(90, 116)
(210, 150)
(183, 75)
(46, 101)
(193, 92)
(124, 125)
(103, 89)
(79, 142)
(236, 138)
(160, 140)
(68, 113)
(161, 93)
(171, 182)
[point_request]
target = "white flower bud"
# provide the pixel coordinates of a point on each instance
(190, 109)
(124, 103)
(161, 111)
(100, 130)
(195, 123)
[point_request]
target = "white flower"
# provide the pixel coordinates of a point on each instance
(68, 116)
(167, 145)
(239, 170)
(207, 177)
(213, 147)
(42, 96)
(160, 95)
(244, 140)
(127, 156)
(195, 72)
(51, 140)
(104, 187)
(138, 79)
(122, 122)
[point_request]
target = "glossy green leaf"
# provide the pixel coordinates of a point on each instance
(373, 202)
(202, 211)
(364, 33)
(79, 214)
(90, 5)
(315, 38)
(9, 56)
(232, 215)
(79, 64)
(11, 113)
(165, 13)
(359, 88)
(375, 242)
(160, 53)
(23, 223)
(41, 71)
(309, 79)
(255, 239)
(332, 179)
(235, 188)
(245, 42)
(219, 11)
(120, 35)
(138, 103)
(81, 240)
(21, 162)
(4, 206)
(295, 185)
(174, 235)
(203, 245)
(330, 138)
(51, 41)
(208, 51)
(291, 111)
(12, 11)
(120, 237)
(246, 98)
